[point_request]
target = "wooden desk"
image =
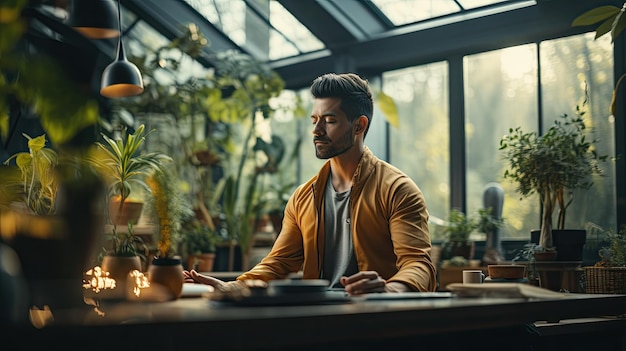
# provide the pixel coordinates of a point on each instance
(354, 324)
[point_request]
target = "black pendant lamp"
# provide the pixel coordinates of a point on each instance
(121, 78)
(95, 19)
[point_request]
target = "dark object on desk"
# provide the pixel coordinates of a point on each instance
(297, 286)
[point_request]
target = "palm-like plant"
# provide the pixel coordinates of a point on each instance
(126, 168)
(39, 182)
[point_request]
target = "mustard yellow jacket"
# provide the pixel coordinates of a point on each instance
(389, 228)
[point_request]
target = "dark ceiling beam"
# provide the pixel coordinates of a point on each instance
(551, 18)
(358, 17)
(318, 21)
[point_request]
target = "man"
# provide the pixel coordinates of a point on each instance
(360, 222)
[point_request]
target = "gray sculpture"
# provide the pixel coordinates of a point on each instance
(493, 197)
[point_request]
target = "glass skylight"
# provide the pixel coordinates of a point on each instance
(259, 25)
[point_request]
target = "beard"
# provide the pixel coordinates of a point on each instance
(332, 149)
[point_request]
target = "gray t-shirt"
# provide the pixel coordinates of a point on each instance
(339, 256)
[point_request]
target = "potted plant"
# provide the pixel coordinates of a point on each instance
(200, 243)
(553, 165)
(125, 169)
(38, 178)
(608, 275)
(166, 270)
(457, 232)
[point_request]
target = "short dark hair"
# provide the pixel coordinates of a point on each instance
(354, 92)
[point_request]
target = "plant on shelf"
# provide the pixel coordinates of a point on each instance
(613, 255)
(457, 235)
(608, 275)
(486, 222)
(125, 169)
(553, 165)
(281, 185)
(530, 253)
(38, 175)
(200, 243)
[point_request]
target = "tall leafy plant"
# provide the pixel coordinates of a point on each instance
(553, 165)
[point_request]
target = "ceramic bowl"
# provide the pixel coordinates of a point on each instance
(506, 271)
(291, 286)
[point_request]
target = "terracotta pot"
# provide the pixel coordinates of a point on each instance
(166, 277)
(201, 262)
(131, 211)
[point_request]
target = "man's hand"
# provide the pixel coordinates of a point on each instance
(194, 277)
(370, 282)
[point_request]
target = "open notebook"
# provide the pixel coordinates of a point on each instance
(503, 290)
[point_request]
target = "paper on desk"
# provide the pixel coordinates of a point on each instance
(503, 290)
(195, 290)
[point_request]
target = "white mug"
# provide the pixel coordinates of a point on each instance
(473, 276)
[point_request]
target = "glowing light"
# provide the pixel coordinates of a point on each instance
(141, 282)
(99, 280)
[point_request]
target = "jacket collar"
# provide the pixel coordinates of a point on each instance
(363, 170)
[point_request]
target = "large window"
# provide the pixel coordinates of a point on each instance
(568, 67)
(420, 144)
(502, 91)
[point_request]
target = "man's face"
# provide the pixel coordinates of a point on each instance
(332, 132)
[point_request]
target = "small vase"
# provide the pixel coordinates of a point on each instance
(166, 275)
(119, 267)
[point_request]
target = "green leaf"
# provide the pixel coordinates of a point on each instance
(604, 28)
(389, 109)
(596, 15)
(618, 25)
